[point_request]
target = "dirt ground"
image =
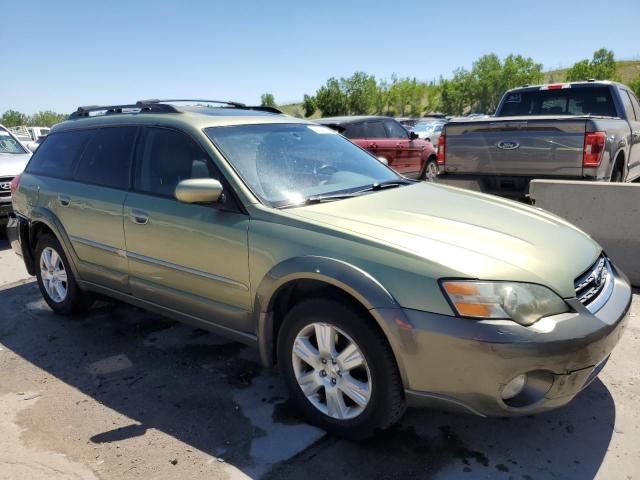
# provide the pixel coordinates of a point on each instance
(123, 394)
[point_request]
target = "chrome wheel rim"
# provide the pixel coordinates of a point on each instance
(53, 274)
(331, 371)
(432, 171)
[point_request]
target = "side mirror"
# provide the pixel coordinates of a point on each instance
(413, 135)
(199, 190)
(383, 160)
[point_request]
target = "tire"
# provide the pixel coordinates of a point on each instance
(58, 287)
(379, 393)
(430, 171)
(616, 175)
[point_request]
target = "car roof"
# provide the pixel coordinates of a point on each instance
(349, 119)
(197, 116)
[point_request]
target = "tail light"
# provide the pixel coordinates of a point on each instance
(14, 184)
(442, 141)
(594, 143)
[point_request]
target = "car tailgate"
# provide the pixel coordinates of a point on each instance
(516, 146)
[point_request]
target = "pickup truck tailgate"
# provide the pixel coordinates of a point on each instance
(545, 146)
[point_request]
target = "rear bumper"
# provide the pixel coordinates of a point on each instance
(17, 233)
(460, 364)
(510, 186)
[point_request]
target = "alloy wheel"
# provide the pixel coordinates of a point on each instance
(331, 371)
(53, 274)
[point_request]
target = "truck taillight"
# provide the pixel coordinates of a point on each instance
(14, 184)
(442, 142)
(594, 143)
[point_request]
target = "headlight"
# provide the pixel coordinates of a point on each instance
(524, 303)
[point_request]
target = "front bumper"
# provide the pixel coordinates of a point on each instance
(463, 364)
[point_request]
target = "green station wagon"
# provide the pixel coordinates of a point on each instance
(372, 292)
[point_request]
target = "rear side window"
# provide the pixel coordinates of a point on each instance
(354, 130)
(57, 156)
(106, 160)
(375, 129)
(167, 158)
(565, 101)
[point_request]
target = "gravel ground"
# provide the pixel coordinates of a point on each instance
(124, 394)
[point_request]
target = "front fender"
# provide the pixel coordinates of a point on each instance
(352, 280)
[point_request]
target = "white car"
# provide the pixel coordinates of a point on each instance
(31, 137)
(13, 158)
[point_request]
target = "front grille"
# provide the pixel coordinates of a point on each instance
(5, 186)
(590, 286)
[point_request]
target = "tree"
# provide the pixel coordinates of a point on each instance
(46, 118)
(360, 90)
(12, 118)
(331, 99)
(309, 105)
(267, 100)
(601, 67)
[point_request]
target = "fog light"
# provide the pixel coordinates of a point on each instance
(514, 386)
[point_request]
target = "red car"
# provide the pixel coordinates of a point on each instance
(385, 138)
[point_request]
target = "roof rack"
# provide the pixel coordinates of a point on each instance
(160, 106)
(83, 112)
(226, 103)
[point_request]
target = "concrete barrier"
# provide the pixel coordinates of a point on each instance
(609, 212)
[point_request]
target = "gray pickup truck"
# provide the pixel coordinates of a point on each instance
(577, 131)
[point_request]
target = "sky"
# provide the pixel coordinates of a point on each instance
(69, 53)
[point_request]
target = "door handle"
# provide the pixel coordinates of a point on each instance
(398, 145)
(139, 217)
(373, 145)
(64, 200)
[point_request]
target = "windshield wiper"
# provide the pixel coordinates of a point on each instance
(374, 187)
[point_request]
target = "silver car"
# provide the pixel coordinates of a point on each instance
(13, 158)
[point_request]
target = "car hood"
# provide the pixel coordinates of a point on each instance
(12, 164)
(466, 234)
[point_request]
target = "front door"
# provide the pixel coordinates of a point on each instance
(408, 152)
(190, 258)
(634, 148)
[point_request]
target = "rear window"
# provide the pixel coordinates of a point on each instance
(566, 101)
(57, 155)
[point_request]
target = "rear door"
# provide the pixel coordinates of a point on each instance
(186, 257)
(84, 178)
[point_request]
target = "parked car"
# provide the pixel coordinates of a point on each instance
(29, 135)
(13, 158)
(429, 130)
(372, 292)
(574, 131)
(385, 138)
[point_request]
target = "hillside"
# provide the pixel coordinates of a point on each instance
(628, 70)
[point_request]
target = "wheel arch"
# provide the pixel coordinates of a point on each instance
(315, 273)
(45, 221)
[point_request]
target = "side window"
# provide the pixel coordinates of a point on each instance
(354, 130)
(395, 130)
(106, 160)
(374, 129)
(636, 105)
(626, 101)
(168, 157)
(57, 155)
